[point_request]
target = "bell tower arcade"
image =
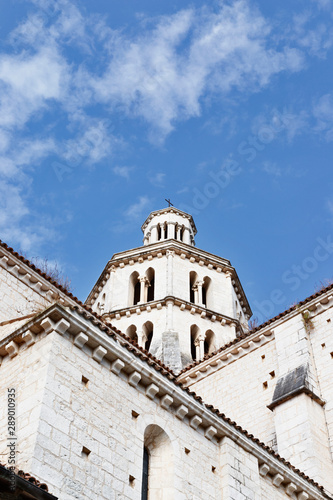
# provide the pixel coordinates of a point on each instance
(176, 301)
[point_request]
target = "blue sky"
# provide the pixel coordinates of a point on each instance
(107, 108)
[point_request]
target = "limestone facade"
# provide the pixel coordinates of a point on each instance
(94, 398)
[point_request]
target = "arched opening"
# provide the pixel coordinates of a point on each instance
(210, 342)
(182, 233)
(134, 289)
(165, 230)
(176, 231)
(148, 330)
(158, 461)
(150, 273)
(194, 335)
(132, 333)
(159, 232)
(207, 292)
(193, 280)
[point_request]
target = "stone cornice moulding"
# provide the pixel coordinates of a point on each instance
(156, 386)
(181, 303)
(173, 210)
(317, 305)
(224, 358)
(182, 250)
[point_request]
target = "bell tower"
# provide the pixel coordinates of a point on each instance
(176, 301)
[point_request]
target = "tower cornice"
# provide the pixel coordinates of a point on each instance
(183, 305)
(172, 210)
(158, 250)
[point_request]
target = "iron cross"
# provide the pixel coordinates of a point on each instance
(168, 201)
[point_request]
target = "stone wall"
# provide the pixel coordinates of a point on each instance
(294, 371)
(18, 298)
(82, 428)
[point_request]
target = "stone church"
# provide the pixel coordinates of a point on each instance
(154, 388)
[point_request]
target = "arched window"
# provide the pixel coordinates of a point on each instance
(159, 232)
(182, 233)
(150, 273)
(165, 230)
(158, 465)
(176, 231)
(193, 280)
(194, 336)
(210, 342)
(134, 289)
(132, 333)
(148, 330)
(207, 292)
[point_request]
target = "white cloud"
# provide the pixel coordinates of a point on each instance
(285, 123)
(323, 112)
(163, 75)
(123, 171)
(315, 37)
(271, 169)
(91, 146)
(28, 83)
(135, 211)
(16, 224)
(157, 179)
(152, 76)
(329, 205)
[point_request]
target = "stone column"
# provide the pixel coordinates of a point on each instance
(153, 232)
(142, 338)
(199, 285)
(197, 349)
(143, 289)
(196, 293)
(179, 230)
(201, 346)
(187, 236)
(169, 288)
(171, 230)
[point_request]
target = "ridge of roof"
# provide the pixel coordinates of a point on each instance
(258, 328)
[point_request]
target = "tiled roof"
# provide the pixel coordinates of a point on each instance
(24, 482)
(147, 357)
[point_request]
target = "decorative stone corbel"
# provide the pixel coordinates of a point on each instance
(99, 353)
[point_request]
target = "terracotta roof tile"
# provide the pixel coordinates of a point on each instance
(28, 477)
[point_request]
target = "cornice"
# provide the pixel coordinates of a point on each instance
(183, 305)
(144, 373)
(313, 306)
(160, 249)
(232, 352)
